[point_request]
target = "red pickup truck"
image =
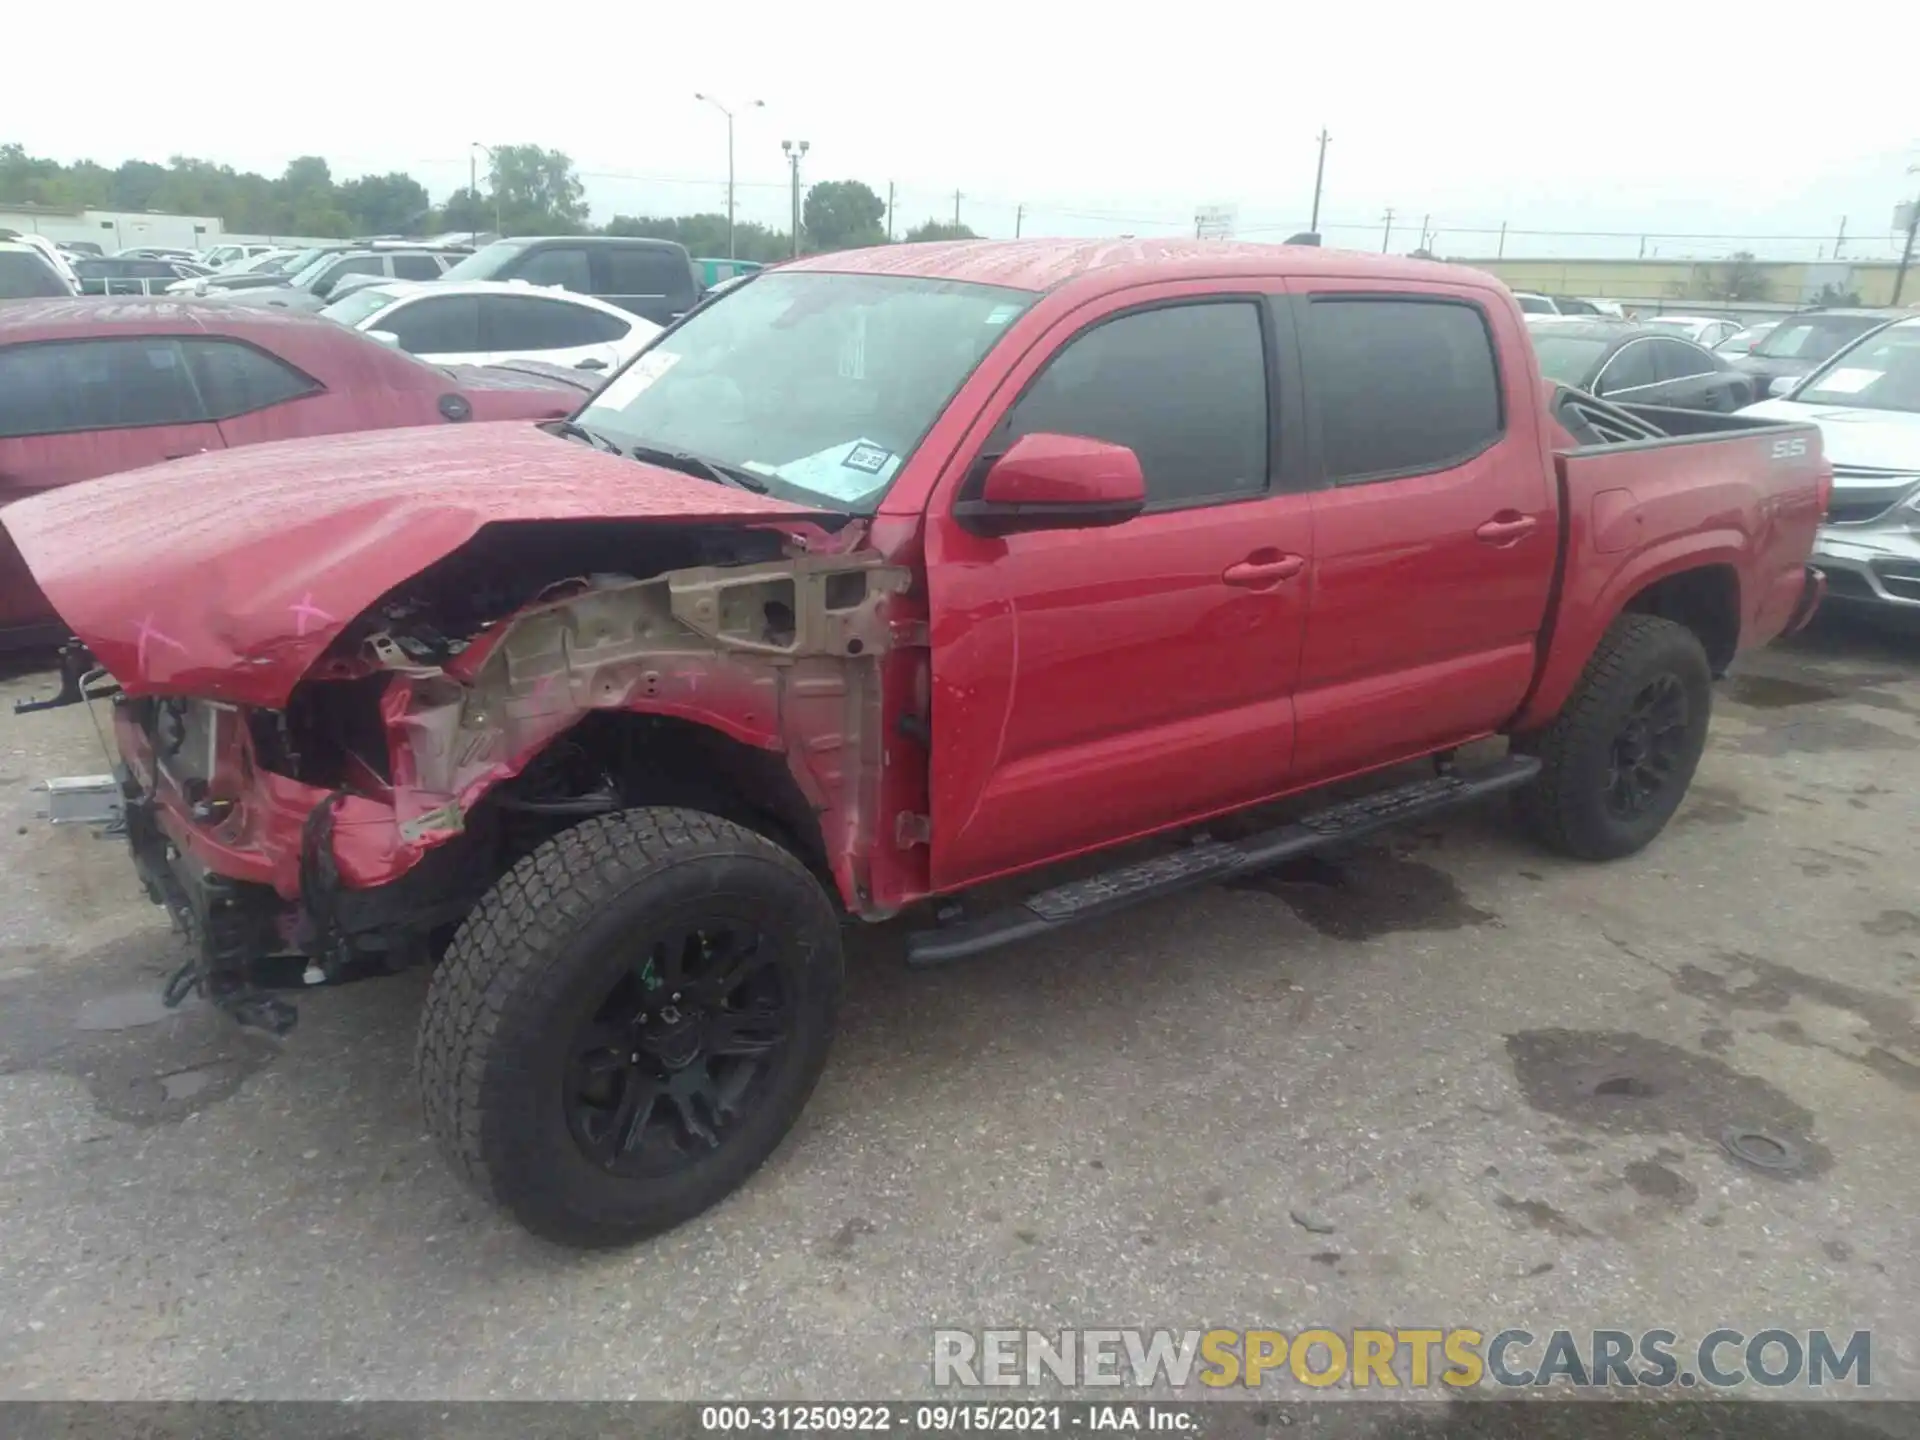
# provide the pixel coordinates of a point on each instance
(889, 574)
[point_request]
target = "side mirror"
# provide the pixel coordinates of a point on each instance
(385, 337)
(1784, 384)
(1056, 482)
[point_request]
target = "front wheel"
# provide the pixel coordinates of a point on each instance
(1618, 758)
(629, 1023)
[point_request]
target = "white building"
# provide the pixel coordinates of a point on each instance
(115, 230)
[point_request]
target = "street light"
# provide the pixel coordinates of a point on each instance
(794, 149)
(473, 184)
(721, 107)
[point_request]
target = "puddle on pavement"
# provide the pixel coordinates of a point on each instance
(1715, 805)
(1822, 734)
(1367, 893)
(1772, 692)
(126, 1010)
(1889, 1034)
(1626, 1084)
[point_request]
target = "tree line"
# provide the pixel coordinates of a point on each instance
(529, 190)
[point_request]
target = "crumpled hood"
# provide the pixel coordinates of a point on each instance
(227, 575)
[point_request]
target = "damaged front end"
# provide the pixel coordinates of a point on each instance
(464, 719)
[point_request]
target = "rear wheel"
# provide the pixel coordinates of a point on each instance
(1617, 760)
(629, 1023)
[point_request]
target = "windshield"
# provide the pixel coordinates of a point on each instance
(1813, 337)
(820, 383)
(482, 264)
(1882, 372)
(1535, 305)
(1567, 358)
(352, 308)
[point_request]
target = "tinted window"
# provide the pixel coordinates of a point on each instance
(415, 267)
(1535, 305)
(521, 322)
(347, 265)
(94, 385)
(645, 272)
(440, 325)
(1183, 387)
(25, 276)
(1570, 359)
(1570, 306)
(1400, 385)
(236, 379)
(1630, 368)
(562, 266)
(1674, 361)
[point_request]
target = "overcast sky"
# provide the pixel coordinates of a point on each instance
(1630, 117)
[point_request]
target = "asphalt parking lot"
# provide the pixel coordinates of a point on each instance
(1440, 1080)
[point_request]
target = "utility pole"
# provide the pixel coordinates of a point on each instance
(1425, 220)
(890, 212)
(1387, 238)
(1841, 238)
(1906, 252)
(1643, 247)
(1019, 215)
(957, 197)
(794, 149)
(1319, 174)
(493, 180)
(1500, 253)
(721, 107)
(473, 195)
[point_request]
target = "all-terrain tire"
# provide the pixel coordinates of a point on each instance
(521, 977)
(1567, 806)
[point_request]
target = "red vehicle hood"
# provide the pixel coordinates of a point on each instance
(227, 575)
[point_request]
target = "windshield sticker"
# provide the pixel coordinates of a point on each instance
(647, 369)
(826, 472)
(1001, 314)
(1848, 381)
(870, 458)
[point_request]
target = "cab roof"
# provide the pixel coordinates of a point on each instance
(1041, 265)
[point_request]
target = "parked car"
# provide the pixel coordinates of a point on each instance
(117, 275)
(1801, 343)
(1743, 341)
(78, 247)
(647, 701)
(311, 287)
(1866, 401)
(255, 272)
(89, 387)
(153, 252)
(481, 322)
(60, 262)
(655, 279)
(1534, 304)
(1640, 363)
(26, 274)
(217, 256)
(1704, 330)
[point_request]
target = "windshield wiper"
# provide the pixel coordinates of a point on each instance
(581, 432)
(695, 465)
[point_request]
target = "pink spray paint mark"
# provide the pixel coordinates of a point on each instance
(306, 610)
(147, 632)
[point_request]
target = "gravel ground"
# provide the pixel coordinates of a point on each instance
(1442, 1079)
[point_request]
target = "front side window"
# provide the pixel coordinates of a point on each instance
(64, 386)
(435, 325)
(1401, 385)
(1183, 386)
(821, 384)
(645, 272)
(563, 266)
(236, 379)
(1536, 305)
(415, 267)
(347, 265)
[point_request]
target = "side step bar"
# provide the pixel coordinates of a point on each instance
(1211, 861)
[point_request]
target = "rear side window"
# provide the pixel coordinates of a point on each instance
(522, 322)
(440, 325)
(61, 387)
(1401, 386)
(1674, 361)
(236, 379)
(659, 273)
(565, 266)
(25, 276)
(1182, 386)
(1631, 368)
